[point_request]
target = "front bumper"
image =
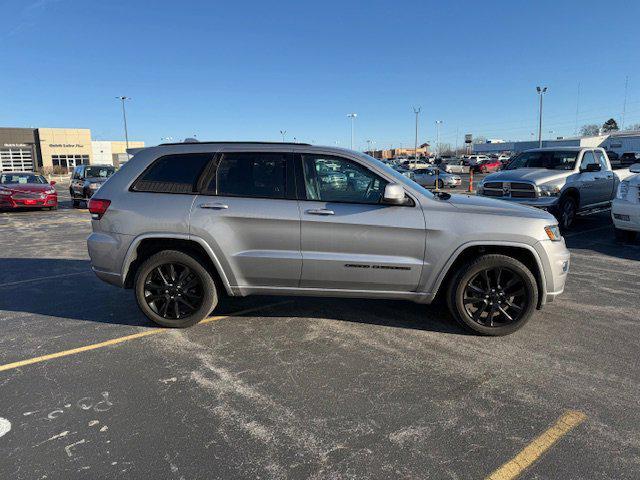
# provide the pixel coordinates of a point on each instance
(7, 202)
(555, 260)
(626, 215)
(544, 203)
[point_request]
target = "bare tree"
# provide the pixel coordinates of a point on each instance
(589, 130)
(635, 126)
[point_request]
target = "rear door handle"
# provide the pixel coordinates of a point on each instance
(320, 211)
(214, 206)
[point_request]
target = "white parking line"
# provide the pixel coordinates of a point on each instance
(37, 279)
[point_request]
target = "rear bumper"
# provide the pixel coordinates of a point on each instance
(107, 252)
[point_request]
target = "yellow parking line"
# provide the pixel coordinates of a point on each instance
(535, 449)
(116, 341)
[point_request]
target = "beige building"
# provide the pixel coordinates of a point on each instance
(63, 148)
(423, 151)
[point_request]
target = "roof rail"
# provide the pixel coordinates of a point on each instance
(238, 143)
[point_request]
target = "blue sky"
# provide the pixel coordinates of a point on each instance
(244, 70)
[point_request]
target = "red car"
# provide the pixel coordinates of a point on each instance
(487, 166)
(26, 190)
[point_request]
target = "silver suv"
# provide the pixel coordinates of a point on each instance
(183, 224)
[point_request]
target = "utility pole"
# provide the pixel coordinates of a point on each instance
(353, 117)
(575, 130)
(416, 110)
(541, 91)
(124, 117)
(624, 105)
(438, 123)
(283, 133)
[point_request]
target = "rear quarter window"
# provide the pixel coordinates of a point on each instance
(173, 173)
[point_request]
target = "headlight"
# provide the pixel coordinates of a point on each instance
(623, 189)
(4, 191)
(549, 190)
(94, 186)
(50, 191)
(553, 232)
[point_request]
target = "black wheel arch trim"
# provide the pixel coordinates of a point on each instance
(445, 271)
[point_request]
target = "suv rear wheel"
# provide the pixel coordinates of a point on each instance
(493, 295)
(173, 289)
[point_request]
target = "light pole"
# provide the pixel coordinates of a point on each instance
(124, 118)
(416, 110)
(438, 123)
(541, 91)
(353, 117)
(283, 133)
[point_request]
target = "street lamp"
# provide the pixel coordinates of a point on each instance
(541, 91)
(124, 118)
(415, 144)
(438, 123)
(283, 133)
(353, 117)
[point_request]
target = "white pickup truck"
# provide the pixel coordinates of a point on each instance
(566, 181)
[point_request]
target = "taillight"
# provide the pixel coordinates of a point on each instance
(98, 207)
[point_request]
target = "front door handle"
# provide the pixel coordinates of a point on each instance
(214, 206)
(320, 211)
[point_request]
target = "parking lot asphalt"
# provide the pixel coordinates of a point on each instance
(309, 388)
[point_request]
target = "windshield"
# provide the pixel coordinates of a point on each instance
(558, 160)
(22, 178)
(103, 172)
(397, 175)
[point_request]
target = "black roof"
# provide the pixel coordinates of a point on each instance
(236, 143)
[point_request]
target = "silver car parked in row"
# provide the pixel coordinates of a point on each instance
(183, 224)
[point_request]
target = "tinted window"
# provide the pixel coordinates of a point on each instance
(333, 179)
(559, 160)
(173, 173)
(251, 175)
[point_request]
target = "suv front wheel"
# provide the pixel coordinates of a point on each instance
(173, 289)
(493, 295)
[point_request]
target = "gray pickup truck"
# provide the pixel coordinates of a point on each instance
(565, 181)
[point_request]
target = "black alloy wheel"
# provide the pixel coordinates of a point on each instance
(173, 291)
(493, 294)
(495, 297)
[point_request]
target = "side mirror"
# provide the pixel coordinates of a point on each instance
(394, 194)
(592, 167)
(635, 168)
(52, 182)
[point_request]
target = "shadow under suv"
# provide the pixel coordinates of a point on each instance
(182, 224)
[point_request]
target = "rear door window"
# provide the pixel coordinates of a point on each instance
(251, 174)
(173, 173)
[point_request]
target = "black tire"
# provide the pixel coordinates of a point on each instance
(567, 211)
(440, 184)
(624, 235)
(193, 297)
(516, 300)
(75, 203)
